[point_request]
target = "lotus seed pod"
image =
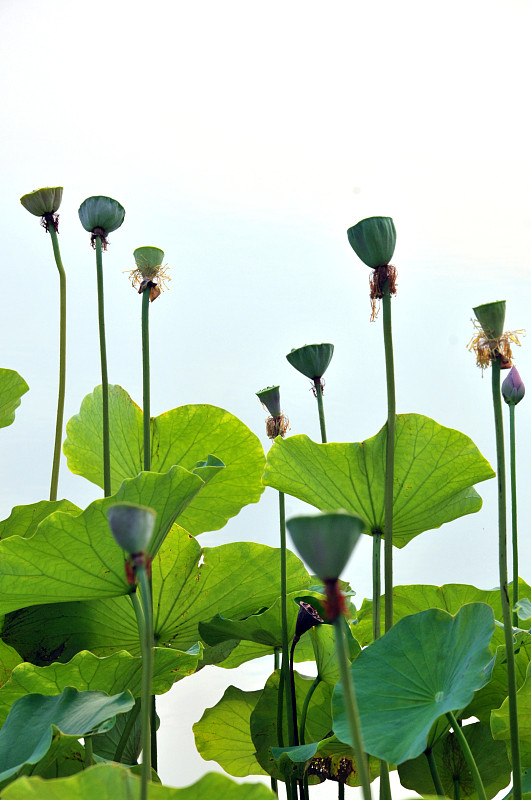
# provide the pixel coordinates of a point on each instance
(373, 240)
(149, 261)
(325, 542)
(270, 398)
(513, 388)
(312, 359)
(307, 618)
(101, 214)
(131, 525)
(43, 201)
(491, 317)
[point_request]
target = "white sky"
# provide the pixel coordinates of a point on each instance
(244, 139)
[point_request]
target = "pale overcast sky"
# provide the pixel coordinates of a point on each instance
(244, 139)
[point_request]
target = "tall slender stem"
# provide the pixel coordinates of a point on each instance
(284, 676)
(341, 791)
(514, 516)
(376, 584)
(304, 712)
(88, 751)
(390, 455)
(128, 727)
(434, 772)
(467, 753)
(62, 364)
(104, 378)
(351, 706)
(504, 589)
(145, 380)
(147, 678)
(318, 386)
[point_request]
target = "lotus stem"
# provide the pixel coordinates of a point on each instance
(390, 455)
(104, 377)
(284, 675)
(88, 751)
(62, 364)
(147, 678)
(376, 584)
(130, 724)
(351, 706)
(467, 753)
(145, 380)
(514, 516)
(504, 589)
(457, 792)
(293, 698)
(434, 772)
(304, 712)
(318, 387)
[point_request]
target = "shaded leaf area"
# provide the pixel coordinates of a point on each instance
(37, 725)
(328, 759)
(113, 780)
(181, 436)
(419, 597)
(188, 584)
(85, 671)
(453, 770)
(434, 472)
(427, 664)
(9, 658)
(500, 726)
(494, 693)
(105, 745)
(24, 520)
(12, 387)
(241, 652)
(75, 557)
(223, 733)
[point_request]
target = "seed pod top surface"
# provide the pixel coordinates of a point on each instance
(148, 260)
(102, 213)
(325, 542)
(312, 359)
(491, 317)
(131, 525)
(270, 398)
(43, 201)
(373, 240)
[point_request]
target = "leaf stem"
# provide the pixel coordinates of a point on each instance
(104, 377)
(318, 386)
(504, 589)
(129, 725)
(390, 455)
(293, 698)
(145, 380)
(514, 519)
(147, 677)
(88, 751)
(284, 614)
(304, 712)
(434, 772)
(62, 364)
(469, 758)
(376, 584)
(351, 706)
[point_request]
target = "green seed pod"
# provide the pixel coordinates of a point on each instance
(101, 214)
(373, 240)
(312, 359)
(149, 261)
(131, 526)
(270, 398)
(43, 201)
(325, 542)
(491, 317)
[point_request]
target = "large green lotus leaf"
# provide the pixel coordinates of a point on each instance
(75, 557)
(434, 471)
(113, 780)
(494, 693)
(328, 759)
(9, 658)
(12, 387)
(247, 651)
(324, 647)
(490, 757)
(85, 671)
(24, 520)
(34, 720)
(499, 720)
(188, 584)
(181, 436)
(425, 665)
(223, 733)
(264, 718)
(419, 597)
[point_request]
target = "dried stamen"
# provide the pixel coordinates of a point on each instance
(380, 278)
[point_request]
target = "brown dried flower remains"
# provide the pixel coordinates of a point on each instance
(486, 349)
(380, 276)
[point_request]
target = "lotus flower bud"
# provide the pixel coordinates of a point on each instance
(373, 240)
(312, 359)
(270, 398)
(148, 261)
(101, 215)
(491, 317)
(325, 542)
(131, 525)
(513, 388)
(43, 201)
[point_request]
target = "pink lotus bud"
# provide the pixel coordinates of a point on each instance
(513, 388)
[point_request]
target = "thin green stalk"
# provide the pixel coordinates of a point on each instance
(104, 377)
(390, 455)
(351, 706)
(434, 772)
(147, 678)
(145, 380)
(293, 698)
(280, 710)
(385, 783)
(469, 758)
(376, 584)
(128, 727)
(341, 791)
(62, 364)
(88, 751)
(319, 394)
(514, 521)
(284, 615)
(504, 588)
(457, 792)
(304, 712)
